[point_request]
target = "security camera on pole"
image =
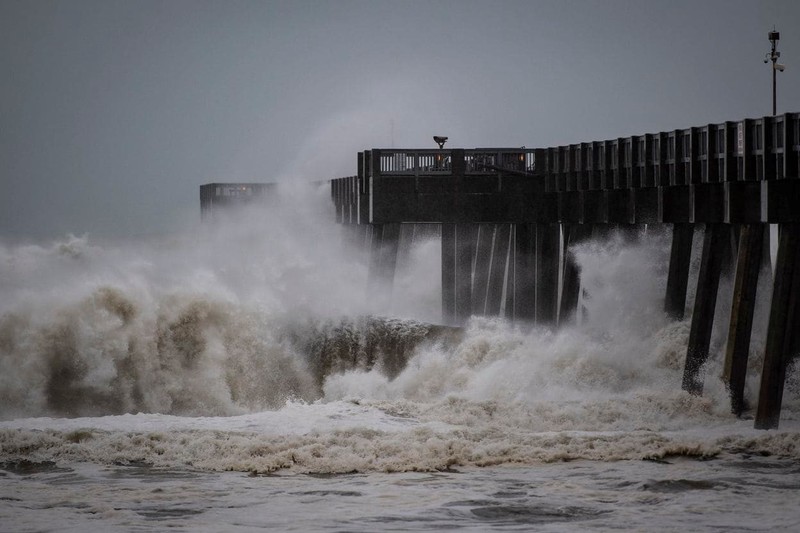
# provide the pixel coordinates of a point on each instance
(773, 56)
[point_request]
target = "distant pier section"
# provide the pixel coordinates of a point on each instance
(215, 197)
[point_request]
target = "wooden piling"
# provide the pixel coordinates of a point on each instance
(704, 304)
(737, 350)
(782, 332)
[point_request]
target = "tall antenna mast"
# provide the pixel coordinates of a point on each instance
(773, 55)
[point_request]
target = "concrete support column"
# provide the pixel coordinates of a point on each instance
(466, 244)
(547, 264)
(737, 350)
(573, 235)
(405, 245)
(630, 233)
(783, 333)
(523, 275)
(483, 262)
(497, 270)
(449, 274)
(382, 265)
(678, 277)
(705, 301)
(355, 236)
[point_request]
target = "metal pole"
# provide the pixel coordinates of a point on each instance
(774, 90)
(773, 56)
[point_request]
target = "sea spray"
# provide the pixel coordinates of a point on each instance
(205, 322)
(190, 355)
(249, 347)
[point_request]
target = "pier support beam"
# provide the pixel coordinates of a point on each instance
(737, 350)
(406, 242)
(355, 236)
(678, 277)
(483, 263)
(522, 276)
(783, 333)
(466, 244)
(547, 264)
(497, 270)
(570, 293)
(459, 242)
(704, 303)
(382, 265)
(449, 274)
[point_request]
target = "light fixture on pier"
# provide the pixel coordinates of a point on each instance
(440, 141)
(773, 55)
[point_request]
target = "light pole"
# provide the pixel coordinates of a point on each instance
(773, 56)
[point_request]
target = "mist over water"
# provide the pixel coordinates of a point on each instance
(220, 319)
(255, 339)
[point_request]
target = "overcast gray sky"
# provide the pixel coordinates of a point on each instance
(112, 113)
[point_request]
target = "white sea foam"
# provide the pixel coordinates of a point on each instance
(247, 348)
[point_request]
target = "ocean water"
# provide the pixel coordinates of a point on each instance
(238, 377)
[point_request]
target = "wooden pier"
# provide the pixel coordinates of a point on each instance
(509, 218)
(216, 197)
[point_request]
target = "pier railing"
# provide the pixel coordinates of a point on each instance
(423, 162)
(414, 162)
(751, 149)
(711, 173)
